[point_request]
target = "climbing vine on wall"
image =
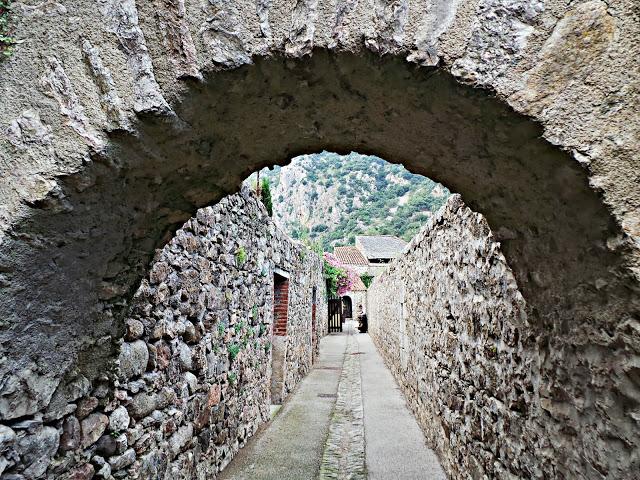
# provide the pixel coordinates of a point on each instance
(340, 278)
(241, 256)
(6, 40)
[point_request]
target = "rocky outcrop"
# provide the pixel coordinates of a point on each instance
(330, 198)
(193, 375)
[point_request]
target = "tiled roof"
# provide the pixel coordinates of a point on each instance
(380, 246)
(358, 286)
(350, 256)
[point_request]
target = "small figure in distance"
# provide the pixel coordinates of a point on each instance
(362, 320)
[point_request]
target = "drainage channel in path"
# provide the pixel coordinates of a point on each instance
(292, 445)
(322, 431)
(344, 452)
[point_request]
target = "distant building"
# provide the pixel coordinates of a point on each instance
(371, 253)
(380, 248)
(369, 256)
(352, 257)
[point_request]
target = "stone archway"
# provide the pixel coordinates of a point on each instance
(118, 131)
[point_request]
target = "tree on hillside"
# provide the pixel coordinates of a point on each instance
(265, 195)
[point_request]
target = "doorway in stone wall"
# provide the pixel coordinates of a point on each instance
(279, 342)
(347, 308)
(314, 327)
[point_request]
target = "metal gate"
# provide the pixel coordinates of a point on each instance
(335, 315)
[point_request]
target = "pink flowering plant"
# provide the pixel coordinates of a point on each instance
(340, 277)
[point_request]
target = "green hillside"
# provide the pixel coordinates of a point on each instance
(331, 198)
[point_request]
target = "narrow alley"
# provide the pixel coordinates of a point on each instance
(346, 420)
(196, 197)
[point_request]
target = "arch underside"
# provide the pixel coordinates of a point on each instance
(70, 267)
(96, 237)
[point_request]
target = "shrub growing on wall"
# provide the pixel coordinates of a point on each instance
(366, 279)
(6, 40)
(265, 195)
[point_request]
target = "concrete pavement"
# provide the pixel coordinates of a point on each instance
(395, 445)
(293, 445)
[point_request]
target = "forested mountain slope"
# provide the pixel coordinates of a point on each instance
(331, 198)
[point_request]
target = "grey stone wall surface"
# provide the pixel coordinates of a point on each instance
(120, 118)
(453, 327)
(191, 382)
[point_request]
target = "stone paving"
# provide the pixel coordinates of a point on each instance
(347, 421)
(344, 453)
(292, 445)
(395, 444)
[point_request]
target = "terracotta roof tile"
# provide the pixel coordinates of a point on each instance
(358, 286)
(350, 256)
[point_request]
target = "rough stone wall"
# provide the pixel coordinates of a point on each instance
(192, 379)
(104, 107)
(300, 342)
(452, 325)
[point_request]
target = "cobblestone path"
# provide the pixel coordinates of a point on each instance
(344, 453)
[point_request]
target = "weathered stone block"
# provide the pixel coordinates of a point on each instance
(106, 446)
(135, 330)
(159, 272)
(26, 392)
(7, 437)
(86, 406)
(133, 359)
(119, 419)
(184, 355)
(92, 428)
(145, 403)
(180, 439)
(103, 469)
(66, 393)
(123, 461)
(163, 352)
(191, 381)
(71, 433)
(36, 451)
(83, 472)
(213, 397)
